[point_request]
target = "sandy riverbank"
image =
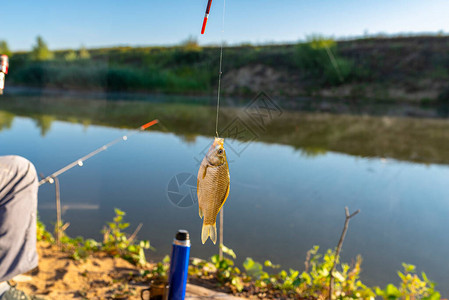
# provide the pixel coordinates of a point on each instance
(99, 277)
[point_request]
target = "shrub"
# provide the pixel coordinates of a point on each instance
(318, 59)
(115, 243)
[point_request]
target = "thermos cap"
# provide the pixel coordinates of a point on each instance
(182, 235)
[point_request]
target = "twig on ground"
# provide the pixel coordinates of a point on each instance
(133, 236)
(106, 232)
(340, 245)
(58, 212)
(65, 226)
(307, 262)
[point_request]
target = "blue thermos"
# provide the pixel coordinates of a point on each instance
(179, 266)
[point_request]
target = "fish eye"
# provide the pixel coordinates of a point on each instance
(220, 151)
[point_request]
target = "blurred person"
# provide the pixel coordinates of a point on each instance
(18, 213)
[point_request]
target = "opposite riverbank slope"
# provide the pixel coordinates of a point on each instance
(414, 68)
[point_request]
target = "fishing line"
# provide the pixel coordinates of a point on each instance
(220, 73)
(80, 161)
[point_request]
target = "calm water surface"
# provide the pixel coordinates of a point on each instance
(282, 200)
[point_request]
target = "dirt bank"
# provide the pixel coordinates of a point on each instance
(99, 277)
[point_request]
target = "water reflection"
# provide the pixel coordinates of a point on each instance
(6, 120)
(288, 187)
(75, 206)
(408, 139)
(43, 122)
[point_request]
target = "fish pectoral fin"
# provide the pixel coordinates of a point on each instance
(205, 171)
(201, 213)
(209, 231)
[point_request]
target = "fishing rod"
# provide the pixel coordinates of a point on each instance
(220, 73)
(4, 65)
(79, 162)
(206, 16)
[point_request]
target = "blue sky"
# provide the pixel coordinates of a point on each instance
(96, 23)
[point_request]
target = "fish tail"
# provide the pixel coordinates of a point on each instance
(209, 231)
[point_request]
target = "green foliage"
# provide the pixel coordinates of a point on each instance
(83, 53)
(187, 68)
(318, 60)
(42, 234)
(191, 44)
(85, 74)
(253, 269)
(314, 281)
(162, 268)
(444, 96)
(222, 270)
(40, 51)
(226, 272)
(158, 274)
(201, 268)
(228, 251)
(116, 243)
(367, 67)
(70, 56)
(411, 287)
(4, 48)
(311, 283)
(78, 247)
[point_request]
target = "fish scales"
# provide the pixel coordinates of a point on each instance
(213, 190)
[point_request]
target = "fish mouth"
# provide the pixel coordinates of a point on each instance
(218, 142)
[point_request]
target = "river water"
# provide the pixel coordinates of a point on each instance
(291, 178)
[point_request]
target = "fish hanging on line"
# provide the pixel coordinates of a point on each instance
(206, 16)
(213, 188)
